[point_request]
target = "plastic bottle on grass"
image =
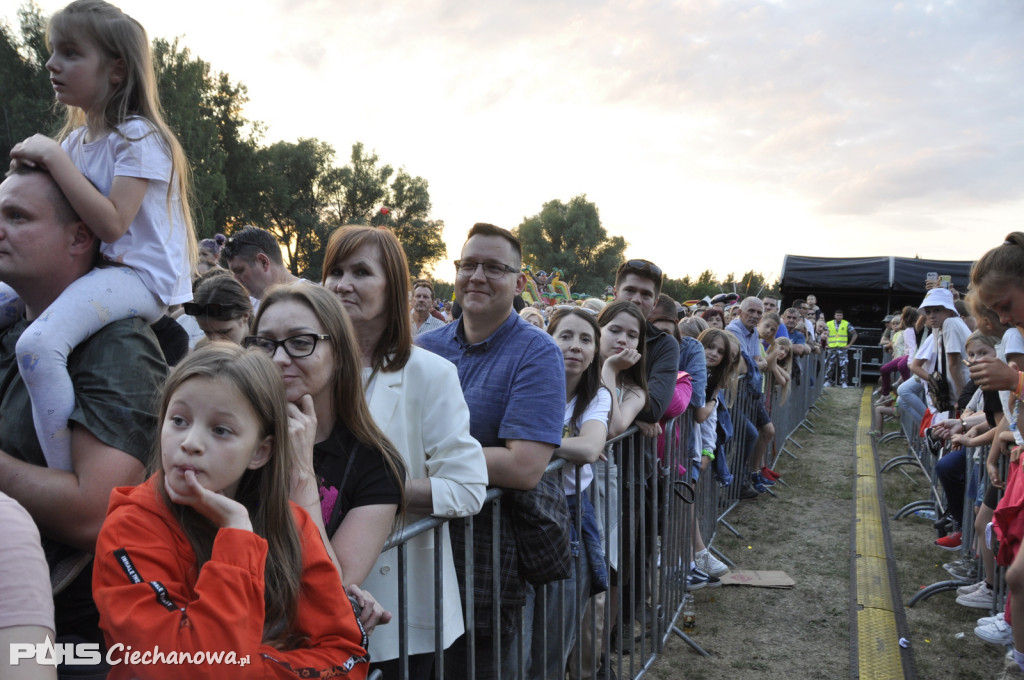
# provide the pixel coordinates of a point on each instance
(689, 614)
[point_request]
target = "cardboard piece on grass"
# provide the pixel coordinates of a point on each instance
(759, 579)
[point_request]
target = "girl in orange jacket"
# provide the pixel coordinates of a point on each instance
(207, 564)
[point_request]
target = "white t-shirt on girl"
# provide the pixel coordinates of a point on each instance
(156, 243)
(599, 408)
(1011, 343)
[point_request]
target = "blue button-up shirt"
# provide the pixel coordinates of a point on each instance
(514, 381)
(514, 384)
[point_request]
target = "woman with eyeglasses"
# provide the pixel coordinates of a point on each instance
(347, 473)
(415, 397)
(221, 308)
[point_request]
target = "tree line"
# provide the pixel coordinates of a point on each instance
(297, 190)
(294, 189)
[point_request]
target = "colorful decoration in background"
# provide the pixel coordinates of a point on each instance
(549, 290)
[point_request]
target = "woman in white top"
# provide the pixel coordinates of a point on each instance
(416, 399)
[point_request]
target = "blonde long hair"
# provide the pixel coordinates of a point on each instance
(118, 36)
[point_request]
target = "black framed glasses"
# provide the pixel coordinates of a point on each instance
(492, 270)
(296, 346)
(213, 309)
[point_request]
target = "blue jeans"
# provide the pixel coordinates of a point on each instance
(951, 470)
(911, 398)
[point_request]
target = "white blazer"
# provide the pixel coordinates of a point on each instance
(422, 411)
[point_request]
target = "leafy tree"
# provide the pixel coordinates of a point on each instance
(408, 216)
(27, 101)
(403, 207)
(292, 189)
(205, 111)
(570, 237)
(365, 187)
(298, 184)
(186, 92)
(239, 139)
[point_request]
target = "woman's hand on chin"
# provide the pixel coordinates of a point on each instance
(302, 436)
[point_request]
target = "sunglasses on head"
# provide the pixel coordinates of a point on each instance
(213, 309)
(644, 265)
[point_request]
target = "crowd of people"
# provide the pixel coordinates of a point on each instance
(955, 364)
(220, 450)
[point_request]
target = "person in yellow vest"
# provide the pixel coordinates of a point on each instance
(840, 336)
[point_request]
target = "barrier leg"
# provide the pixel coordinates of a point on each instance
(689, 640)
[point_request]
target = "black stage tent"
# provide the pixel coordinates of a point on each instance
(865, 288)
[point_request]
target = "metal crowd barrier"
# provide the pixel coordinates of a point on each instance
(917, 454)
(657, 505)
(971, 471)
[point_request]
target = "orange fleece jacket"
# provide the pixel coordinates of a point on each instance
(148, 595)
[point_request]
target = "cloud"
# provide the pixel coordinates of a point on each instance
(746, 117)
(858, 107)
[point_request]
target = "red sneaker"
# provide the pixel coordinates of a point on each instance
(770, 474)
(950, 541)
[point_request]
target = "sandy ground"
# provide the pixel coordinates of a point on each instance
(805, 531)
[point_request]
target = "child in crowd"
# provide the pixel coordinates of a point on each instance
(208, 555)
(782, 371)
(533, 315)
(997, 279)
(587, 405)
(126, 176)
(904, 347)
(622, 339)
(950, 468)
(209, 253)
(721, 358)
(623, 336)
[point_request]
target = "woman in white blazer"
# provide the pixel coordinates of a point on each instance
(416, 399)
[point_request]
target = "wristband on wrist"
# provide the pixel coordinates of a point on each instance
(708, 453)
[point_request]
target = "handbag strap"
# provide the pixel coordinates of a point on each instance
(335, 519)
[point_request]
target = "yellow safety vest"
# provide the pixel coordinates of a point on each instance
(837, 337)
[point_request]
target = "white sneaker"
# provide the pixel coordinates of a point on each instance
(967, 590)
(996, 633)
(988, 620)
(845, 386)
(710, 564)
(979, 599)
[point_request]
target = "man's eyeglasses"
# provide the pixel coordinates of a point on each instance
(296, 346)
(644, 265)
(213, 309)
(492, 270)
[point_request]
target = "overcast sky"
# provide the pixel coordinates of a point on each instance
(715, 135)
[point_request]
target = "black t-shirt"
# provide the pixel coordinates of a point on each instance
(350, 475)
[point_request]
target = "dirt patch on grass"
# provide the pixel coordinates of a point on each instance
(804, 531)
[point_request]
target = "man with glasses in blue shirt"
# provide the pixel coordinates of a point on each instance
(506, 366)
